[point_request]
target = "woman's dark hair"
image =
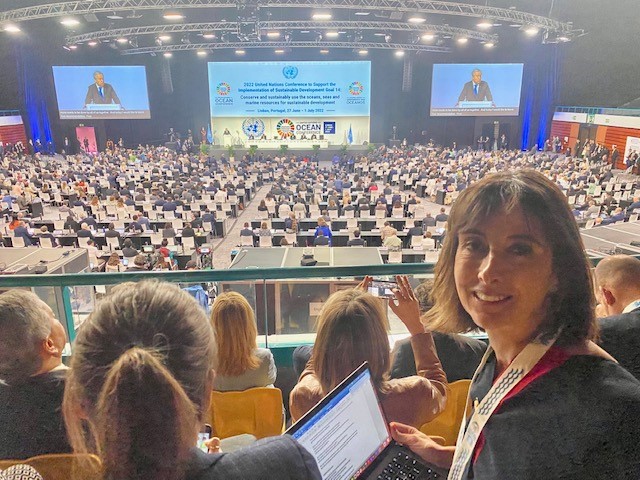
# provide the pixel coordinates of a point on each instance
(570, 305)
(140, 381)
(164, 242)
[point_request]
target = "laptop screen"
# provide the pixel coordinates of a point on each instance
(347, 430)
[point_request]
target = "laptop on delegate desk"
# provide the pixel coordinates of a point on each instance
(348, 435)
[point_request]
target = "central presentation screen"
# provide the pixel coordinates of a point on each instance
(490, 89)
(291, 100)
(102, 92)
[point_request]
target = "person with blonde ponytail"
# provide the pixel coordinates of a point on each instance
(139, 390)
(239, 363)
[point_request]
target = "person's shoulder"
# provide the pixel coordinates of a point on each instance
(623, 320)
(264, 354)
(275, 457)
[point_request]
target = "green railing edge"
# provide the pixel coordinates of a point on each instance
(196, 276)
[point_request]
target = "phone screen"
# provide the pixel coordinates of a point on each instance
(380, 288)
(204, 435)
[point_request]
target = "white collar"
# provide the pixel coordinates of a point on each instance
(632, 306)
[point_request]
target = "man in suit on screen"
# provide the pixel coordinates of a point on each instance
(100, 92)
(477, 90)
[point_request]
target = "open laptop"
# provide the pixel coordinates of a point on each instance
(348, 435)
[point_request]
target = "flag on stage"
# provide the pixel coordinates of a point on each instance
(350, 136)
(209, 134)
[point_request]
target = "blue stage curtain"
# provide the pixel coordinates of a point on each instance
(540, 89)
(34, 90)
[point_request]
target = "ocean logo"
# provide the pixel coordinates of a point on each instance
(223, 89)
(290, 72)
(356, 88)
(285, 128)
(253, 127)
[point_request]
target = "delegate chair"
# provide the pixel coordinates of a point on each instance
(61, 466)
(256, 411)
(447, 424)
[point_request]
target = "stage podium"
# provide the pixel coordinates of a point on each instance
(227, 140)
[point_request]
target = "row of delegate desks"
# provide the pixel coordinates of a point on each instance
(364, 224)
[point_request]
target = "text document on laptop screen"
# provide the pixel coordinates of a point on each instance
(348, 433)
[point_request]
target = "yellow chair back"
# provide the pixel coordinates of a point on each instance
(62, 466)
(447, 424)
(257, 411)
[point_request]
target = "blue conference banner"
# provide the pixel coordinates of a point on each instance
(503, 80)
(276, 89)
(129, 83)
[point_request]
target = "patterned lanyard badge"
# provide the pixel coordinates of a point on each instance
(519, 368)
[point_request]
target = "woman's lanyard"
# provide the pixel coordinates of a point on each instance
(467, 438)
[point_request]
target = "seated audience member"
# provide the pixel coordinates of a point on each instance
(321, 240)
(416, 230)
(239, 363)
(135, 226)
(112, 232)
(323, 228)
(284, 242)
(44, 233)
(392, 241)
(23, 232)
(618, 292)
(262, 208)
(164, 251)
(428, 221)
(386, 230)
(114, 264)
(188, 231)
(291, 223)
(442, 216)
(246, 230)
(139, 392)
(32, 377)
(460, 355)
(127, 249)
(351, 330)
(168, 231)
(356, 241)
(165, 263)
(264, 230)
(94, 254)
(139, 264)
(84, 232)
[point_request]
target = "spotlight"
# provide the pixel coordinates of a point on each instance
(288, 37)
(273, 34)
(363, 52)
(173, 16)
(186, 39)
(427, 37)
(279, 51)
(202, 53)
(357, 37)
(134, 42)
(92, 43)
(240, 52)
(485, 24)
(73, 47)
(416, 20)
(531, 31)
(462, 40)
(12, 28)
(324, 51)
(164, 38)
(318, 37)
(387, 37)
(489, 45)
(399, 53)
(167, 54)
(70, 22)
(321, 16)
(331, 34)
(563, 39)
(122, 40)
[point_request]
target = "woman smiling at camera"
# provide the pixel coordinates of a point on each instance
(546, 402)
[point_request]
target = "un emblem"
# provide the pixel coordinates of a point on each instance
(290, 72)
(253, 127)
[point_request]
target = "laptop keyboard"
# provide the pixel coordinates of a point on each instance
(406, 467)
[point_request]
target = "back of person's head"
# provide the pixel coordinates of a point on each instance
(246, 225)
(29, 334)
(127, 243)
(140, 381)
(570, 303)
(264, 226)
(114, 259)
(617, 282)
(187, 225)
(44, 229)
(112, 226)
(168, 225)
(356, 233)
(351, 330)
(140, 261)
(234, 325)
(416, 223)
(164, 242)
(321, 221)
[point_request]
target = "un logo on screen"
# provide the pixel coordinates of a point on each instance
(290, 72)
(253, 127)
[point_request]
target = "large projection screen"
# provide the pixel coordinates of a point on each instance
(102, 92)
(469, 89)
(277, 101)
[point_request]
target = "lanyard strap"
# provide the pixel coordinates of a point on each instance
(467, 438)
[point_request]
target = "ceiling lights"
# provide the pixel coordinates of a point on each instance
(122, 40)
(427, 37)
(173, 16)
(209, 35)
(489, 45)
(167, 54)
(12, 28)
(69, 22)
(202, 53)
(92, 43)
(273, 34)
(399, 53)
(164, 38)
(279, 51)
(363, 52)
(324, 51)
(331, 34)
(240, 52)
(485, 24)
(531, 31)
(416, 20)
(462, 40)
(321, 16)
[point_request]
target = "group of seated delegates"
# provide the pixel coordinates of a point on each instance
(165, 353)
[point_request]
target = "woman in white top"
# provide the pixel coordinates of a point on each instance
(239, 363)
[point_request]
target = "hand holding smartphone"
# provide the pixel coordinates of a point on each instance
(203, 436)
(382, 288)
